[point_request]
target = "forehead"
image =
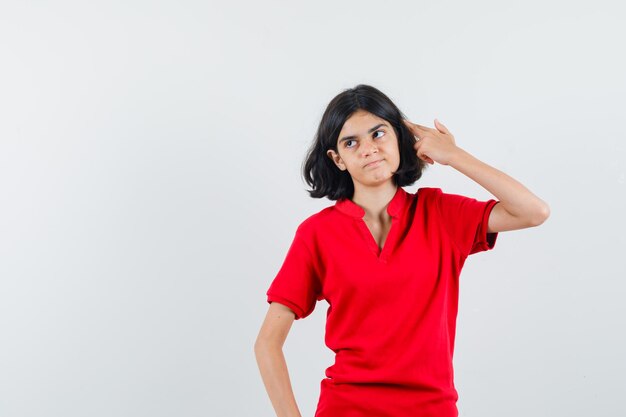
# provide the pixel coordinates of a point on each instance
(359, 122)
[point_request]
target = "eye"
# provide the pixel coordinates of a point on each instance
(352, 140)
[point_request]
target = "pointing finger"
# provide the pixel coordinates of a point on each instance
(414, 124)
(417, 130)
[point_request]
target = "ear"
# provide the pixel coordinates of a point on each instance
(334, 156)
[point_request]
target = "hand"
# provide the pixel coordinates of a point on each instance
(433, 145)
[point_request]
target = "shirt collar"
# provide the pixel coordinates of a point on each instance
(349, 207)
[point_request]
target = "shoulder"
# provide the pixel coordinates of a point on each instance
(428, 191)
(311, 224)
(428, 195)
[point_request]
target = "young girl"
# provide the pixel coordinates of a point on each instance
(386, 261)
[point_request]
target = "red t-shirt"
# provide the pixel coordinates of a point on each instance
(391, 318)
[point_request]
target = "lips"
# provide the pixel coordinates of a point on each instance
(371, 163)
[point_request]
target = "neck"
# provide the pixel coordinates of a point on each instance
(374, 200)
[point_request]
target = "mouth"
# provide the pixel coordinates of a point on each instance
(373, 163)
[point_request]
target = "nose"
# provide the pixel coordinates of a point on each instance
(369, 148)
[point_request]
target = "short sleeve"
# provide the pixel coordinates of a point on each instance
(466, 220)
(297, 284)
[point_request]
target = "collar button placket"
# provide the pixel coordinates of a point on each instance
(390, 241)
(394, 209)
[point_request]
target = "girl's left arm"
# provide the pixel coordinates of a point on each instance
(518, 208)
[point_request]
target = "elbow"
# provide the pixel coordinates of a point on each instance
(259, 344)
(264, 351)
(259, 349)
(263, 345)
(541, 215)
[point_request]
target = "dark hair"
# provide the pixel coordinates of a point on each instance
(321, 173)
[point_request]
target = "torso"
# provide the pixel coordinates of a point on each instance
(391, 316)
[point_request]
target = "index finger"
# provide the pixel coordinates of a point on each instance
(416, 130)
(411, 124)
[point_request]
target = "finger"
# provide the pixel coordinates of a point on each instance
(426, 158)
(416, 126)
(416, 133)
(420, 154)
(441, 127)
(420, 127)
(411, 126)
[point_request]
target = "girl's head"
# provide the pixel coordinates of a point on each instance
(359, 126)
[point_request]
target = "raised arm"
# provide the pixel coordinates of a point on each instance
(517, 207)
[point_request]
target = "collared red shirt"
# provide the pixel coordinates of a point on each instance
(391, 318)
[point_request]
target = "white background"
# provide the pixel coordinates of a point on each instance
(150, 186)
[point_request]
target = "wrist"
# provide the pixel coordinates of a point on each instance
(457, 157)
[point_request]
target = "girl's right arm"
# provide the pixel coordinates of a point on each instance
(271, 360)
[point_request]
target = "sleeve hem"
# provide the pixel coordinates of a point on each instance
(487, 240)
(298, 311)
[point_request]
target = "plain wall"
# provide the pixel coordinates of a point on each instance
(150, 186)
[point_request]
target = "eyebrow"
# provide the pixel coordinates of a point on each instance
(345, 138)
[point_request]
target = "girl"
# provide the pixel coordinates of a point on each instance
(387, 261)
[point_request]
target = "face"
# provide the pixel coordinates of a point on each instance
(368, 149)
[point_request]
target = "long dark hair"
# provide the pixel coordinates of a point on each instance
(321, 173)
